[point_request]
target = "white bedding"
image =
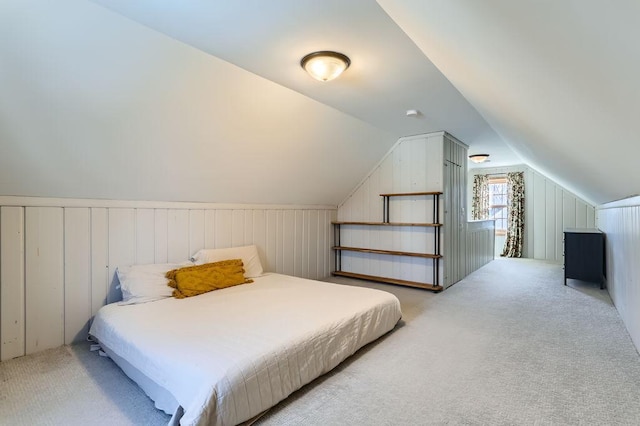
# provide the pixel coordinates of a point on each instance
(230, 354)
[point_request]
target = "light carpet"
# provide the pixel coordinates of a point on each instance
(508, 345)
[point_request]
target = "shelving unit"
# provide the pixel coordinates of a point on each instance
(386, 221)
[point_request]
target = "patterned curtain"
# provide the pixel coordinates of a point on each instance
(515, 220)
(480, 200)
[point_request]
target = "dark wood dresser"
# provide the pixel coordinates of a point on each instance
(584, 255)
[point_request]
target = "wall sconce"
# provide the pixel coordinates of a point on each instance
(325, 65)
(479, 158)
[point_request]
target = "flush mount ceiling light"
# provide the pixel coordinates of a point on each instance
(479, 158)
(325, 65)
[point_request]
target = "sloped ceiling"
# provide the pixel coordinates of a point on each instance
(388, 75)
(94, 105)
(557, 80)
(98, 105)
(205, 101)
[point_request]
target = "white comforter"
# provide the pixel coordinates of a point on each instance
(228, 355)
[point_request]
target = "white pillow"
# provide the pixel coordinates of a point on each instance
(146, 283)
(248, 254)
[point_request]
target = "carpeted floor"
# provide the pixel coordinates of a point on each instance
(508, 345)
(71, 386)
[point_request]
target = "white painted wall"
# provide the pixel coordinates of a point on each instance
(549, 208)
(620, 221)
(58, 256)
(95, 105)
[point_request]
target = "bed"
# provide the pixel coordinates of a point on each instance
(223, 357)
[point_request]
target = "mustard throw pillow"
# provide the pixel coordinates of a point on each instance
(195, 280)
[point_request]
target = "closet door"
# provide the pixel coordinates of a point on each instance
(449, 260)
(454, 238)
(460, 159)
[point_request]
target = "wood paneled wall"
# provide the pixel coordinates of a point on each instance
(549, 208)
(431, 162)
(412, 165)
(58, 257)
(480, 244)
(620, 221)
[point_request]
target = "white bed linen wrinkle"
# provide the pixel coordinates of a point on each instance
(219, 378)
(270, 379)
(264, 378)
(257, 394)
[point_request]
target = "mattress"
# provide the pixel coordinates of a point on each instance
(228, 355)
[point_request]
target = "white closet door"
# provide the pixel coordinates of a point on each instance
(454, 232)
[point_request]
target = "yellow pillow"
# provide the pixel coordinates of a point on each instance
(195, 280)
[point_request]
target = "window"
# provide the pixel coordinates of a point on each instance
(498, 204)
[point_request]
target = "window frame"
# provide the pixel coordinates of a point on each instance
(493, 180)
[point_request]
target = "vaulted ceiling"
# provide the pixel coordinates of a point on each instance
(557, 80)
(206, 101)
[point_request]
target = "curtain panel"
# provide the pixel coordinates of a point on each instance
(515, 219)
(480, 199)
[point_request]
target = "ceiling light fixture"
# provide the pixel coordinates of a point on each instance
(479, 158)
(325, 65)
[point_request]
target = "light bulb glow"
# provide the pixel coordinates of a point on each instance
(325, 66)
(479, 158)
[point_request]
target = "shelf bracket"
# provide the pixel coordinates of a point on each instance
(385, 208)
